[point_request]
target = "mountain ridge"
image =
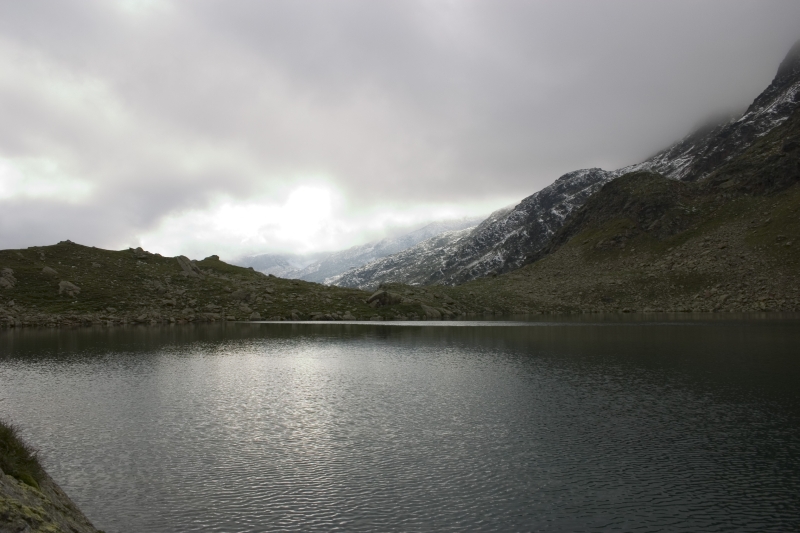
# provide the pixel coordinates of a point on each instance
(506, 243)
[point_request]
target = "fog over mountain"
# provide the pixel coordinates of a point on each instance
(300, 126)
(325, 267)
(511, 238)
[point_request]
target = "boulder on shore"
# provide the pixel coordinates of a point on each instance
(381, 298)
(243, 295)
(431, 312)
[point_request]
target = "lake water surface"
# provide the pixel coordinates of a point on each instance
(572, 425)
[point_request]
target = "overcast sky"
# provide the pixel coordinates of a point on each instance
(236, 127)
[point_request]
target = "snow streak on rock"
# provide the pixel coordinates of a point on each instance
(499, 243)
(413, 265)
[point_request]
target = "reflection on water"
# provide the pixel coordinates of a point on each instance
(561, 426)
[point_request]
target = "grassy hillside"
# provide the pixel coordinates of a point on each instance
(70, 285)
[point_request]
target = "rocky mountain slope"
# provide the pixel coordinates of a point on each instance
(700, 153)
(644, 242)
(503, 238)
(281, 265)
(320, 267)
(503, 244)
(412, 265)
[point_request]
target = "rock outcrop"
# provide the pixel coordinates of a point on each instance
(188, 267)
(382, 298)
(68, 288)
(7, 279)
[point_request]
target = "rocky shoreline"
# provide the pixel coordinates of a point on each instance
(30, 501)
(712, 273)
(45, 508)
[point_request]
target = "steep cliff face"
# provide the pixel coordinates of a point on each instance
(502, 243)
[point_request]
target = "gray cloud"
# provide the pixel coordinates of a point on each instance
(165, 107)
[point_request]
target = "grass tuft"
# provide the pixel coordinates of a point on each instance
(17, 459)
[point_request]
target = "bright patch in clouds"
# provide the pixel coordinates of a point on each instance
(303, 215)
(38, 178)
(141, 6)
(299, 224)
(310, 219)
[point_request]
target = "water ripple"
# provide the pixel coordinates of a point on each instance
(585, 428)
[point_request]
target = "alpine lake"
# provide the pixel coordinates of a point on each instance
(576, 423)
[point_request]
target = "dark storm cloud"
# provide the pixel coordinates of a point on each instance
(157, 108)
